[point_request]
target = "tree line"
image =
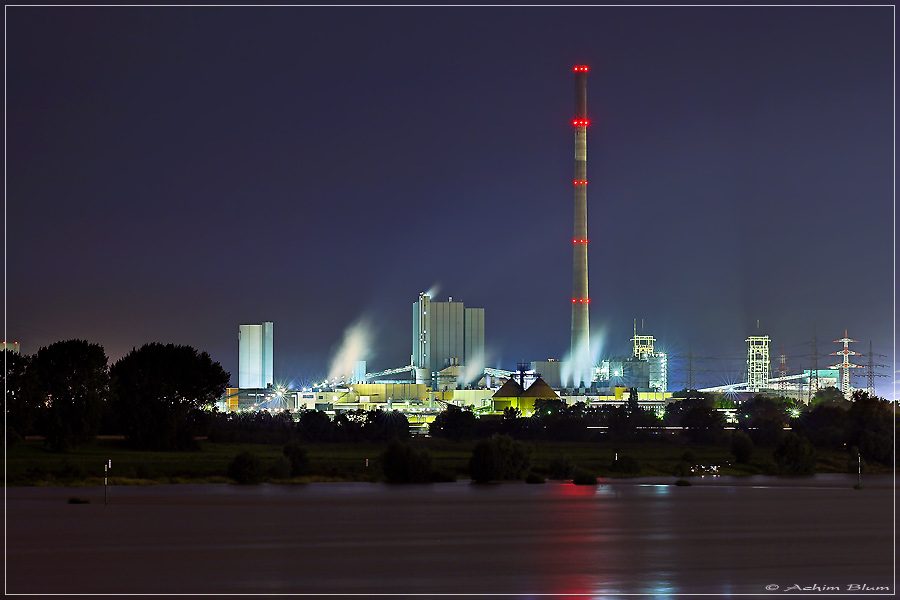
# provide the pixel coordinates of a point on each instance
(68, 393)
(864, 425)
(159, 397)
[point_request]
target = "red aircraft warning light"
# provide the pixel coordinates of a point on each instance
(580, 122)
(581, 68)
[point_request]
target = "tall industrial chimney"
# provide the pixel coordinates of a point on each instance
(580, 353)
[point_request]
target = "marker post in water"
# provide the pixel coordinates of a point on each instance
(106, 468)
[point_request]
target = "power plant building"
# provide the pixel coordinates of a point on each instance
(446, 334)
(255, 362)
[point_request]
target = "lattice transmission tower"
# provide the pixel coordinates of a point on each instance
(845, 365)
(870, 370)
(782, 373)
(813, 386)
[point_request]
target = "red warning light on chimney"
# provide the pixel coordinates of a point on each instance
(580, 122)
(582, 68)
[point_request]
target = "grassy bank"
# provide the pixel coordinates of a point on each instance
(30, 463)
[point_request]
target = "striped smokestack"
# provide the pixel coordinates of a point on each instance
(580, 353)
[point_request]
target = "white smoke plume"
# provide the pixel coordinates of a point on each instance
(579, 366)
(471, 372)
(357, 345)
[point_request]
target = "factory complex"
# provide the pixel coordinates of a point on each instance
(446, 368)
(447, 359)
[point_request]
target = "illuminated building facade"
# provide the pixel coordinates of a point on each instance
(255, 360)
(657, 362)
(445, 334)
(757, 362)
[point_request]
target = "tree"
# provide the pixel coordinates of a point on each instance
(764, 418)
(499, 458)
(794, 455)
(20, 413)
(829, 395)
(702, 424)
(741, 447)
(298, 458)
(68, 383)
(871, 427)
(348, 425)
(454, 423)
(315, 426)
(404, 464)
(245, 468)
(561, 421)
(381, 426)
(157, 389)
(824, 425)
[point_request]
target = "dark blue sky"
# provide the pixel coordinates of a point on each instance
(175, 172)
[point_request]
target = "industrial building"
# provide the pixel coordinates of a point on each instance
(446, 334)
(757, 362)
(255, 355)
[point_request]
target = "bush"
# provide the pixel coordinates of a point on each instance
(299, 459)
(281, 468)
(454, 423)
(625, 465)
(768, 467)
(77, 500)
(741, 447)
(794, 455)
(682, 482)
(561, 467)
(501, 458)
(682, 469)
(877, 446)
(404, 464)
(245, 468)
(534, 478)
(583, 477)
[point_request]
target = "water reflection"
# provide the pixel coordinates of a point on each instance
(603, 541)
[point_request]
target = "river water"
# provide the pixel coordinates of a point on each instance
(722, 535)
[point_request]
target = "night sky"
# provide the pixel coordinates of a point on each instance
(173, 173)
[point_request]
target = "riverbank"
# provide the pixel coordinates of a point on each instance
(30, 463)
